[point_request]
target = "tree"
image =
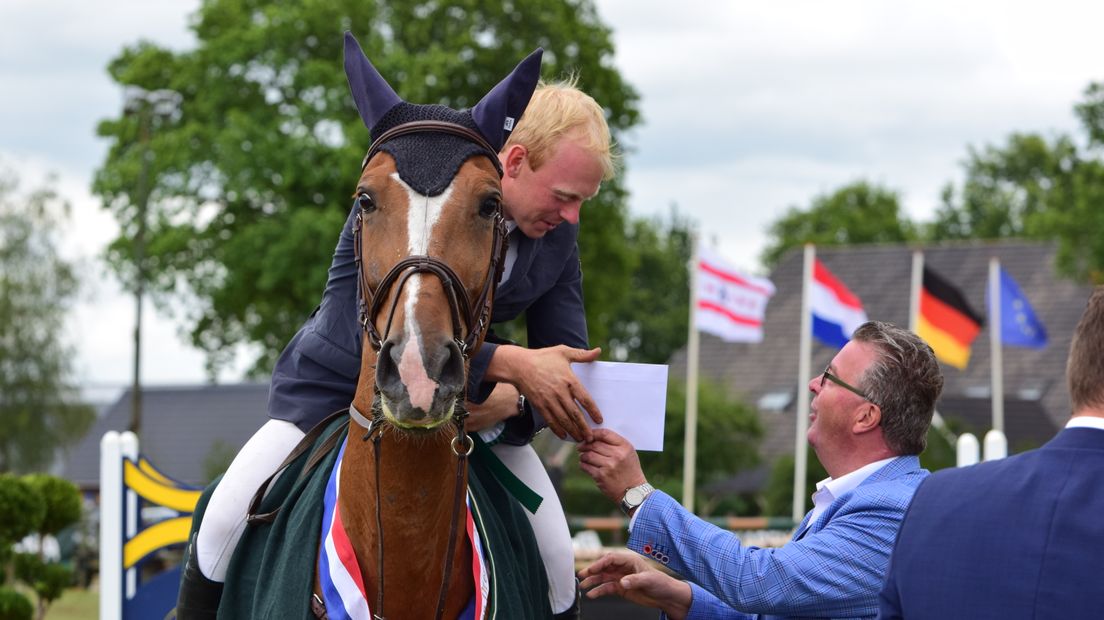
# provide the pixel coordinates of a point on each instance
(39, 406)
(250, 176)
(1005, 189)
(650, 322)
(1037, 188)
(21, 510)
(779, 493)
(856, 213)
(35, 504)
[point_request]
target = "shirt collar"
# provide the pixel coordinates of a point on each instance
(838, 486)
(1086, 421)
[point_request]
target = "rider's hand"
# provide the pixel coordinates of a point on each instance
(630, 576)
(501, 404)
(544, 376)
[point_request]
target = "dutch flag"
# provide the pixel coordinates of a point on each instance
(837, 312)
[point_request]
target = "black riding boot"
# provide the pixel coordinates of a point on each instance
(199, 596)
(573, 612)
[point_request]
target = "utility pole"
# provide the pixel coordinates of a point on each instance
(148, 106)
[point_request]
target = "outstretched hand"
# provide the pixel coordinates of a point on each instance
(630, 576)
(613, 463)
(546, 379)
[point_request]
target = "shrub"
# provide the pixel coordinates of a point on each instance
(14, 606)
(22, 509)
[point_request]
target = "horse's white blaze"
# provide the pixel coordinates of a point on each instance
(422, 216)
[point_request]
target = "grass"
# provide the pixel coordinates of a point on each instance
(75, 604)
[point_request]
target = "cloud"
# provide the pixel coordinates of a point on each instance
(749, 108)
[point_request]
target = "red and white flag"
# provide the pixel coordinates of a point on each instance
(730, 305)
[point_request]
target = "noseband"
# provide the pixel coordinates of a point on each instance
(473, 315)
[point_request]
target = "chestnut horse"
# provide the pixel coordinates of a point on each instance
(430, 243)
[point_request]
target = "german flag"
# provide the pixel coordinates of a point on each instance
(946, 321)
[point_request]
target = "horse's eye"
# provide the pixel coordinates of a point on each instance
(365, 202)
(489, 206)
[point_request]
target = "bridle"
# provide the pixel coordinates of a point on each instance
(470, 320)
(475, 316)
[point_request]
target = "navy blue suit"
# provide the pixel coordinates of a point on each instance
(317, 371)
(1021, 537)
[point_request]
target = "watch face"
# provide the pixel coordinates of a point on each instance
(634, 496)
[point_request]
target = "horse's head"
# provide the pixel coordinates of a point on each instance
(430, 235)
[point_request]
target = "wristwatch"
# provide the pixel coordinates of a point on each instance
(634, 496)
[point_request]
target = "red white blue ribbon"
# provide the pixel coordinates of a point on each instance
(339, 574)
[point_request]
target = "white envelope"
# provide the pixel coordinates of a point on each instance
(632, 398)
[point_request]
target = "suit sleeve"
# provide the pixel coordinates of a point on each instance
(316, 374)
(835, 572)
(705, 606)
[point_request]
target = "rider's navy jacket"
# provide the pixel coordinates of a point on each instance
(317, 371)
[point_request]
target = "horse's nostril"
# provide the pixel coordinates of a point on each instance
(452, 373)
(386, 365)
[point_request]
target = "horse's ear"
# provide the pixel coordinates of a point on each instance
(371, 93)
(498, 111)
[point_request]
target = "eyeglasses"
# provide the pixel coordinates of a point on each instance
(828, 376)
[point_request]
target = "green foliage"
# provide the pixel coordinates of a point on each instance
(48, 580)
(22, 510)
(38, 403)
(856, 213)
(779, 493)
(1037, 188)
(728, 431)
(14, 606)
(650, 322)
(62, 499)
(250, 174)
(1005, 189)
(940, 453)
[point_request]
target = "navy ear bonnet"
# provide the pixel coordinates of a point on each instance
(428, 161)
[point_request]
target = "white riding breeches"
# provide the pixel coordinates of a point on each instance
(224, 521)
(549, 523)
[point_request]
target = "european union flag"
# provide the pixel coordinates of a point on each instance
(1019, 325)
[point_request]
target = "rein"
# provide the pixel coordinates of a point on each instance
(472, 316)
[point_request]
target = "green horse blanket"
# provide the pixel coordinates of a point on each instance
(272, 572)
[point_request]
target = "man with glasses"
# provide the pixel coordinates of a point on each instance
(869, 419)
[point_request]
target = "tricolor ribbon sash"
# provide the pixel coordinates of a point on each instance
(339, 574)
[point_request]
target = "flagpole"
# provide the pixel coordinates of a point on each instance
(690, 446)
(801, 443)
(995, 350)
(915, 282)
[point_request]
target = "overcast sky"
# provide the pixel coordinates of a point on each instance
(749, 108)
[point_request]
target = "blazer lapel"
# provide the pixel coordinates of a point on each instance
(897, 467)
(527, 250)
(804, 527)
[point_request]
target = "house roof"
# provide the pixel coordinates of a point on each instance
(181, 426)
(879, 275)
(1026, 423)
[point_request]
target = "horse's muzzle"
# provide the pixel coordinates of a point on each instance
(418, 389)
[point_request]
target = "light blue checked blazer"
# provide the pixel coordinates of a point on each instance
(832, 568)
